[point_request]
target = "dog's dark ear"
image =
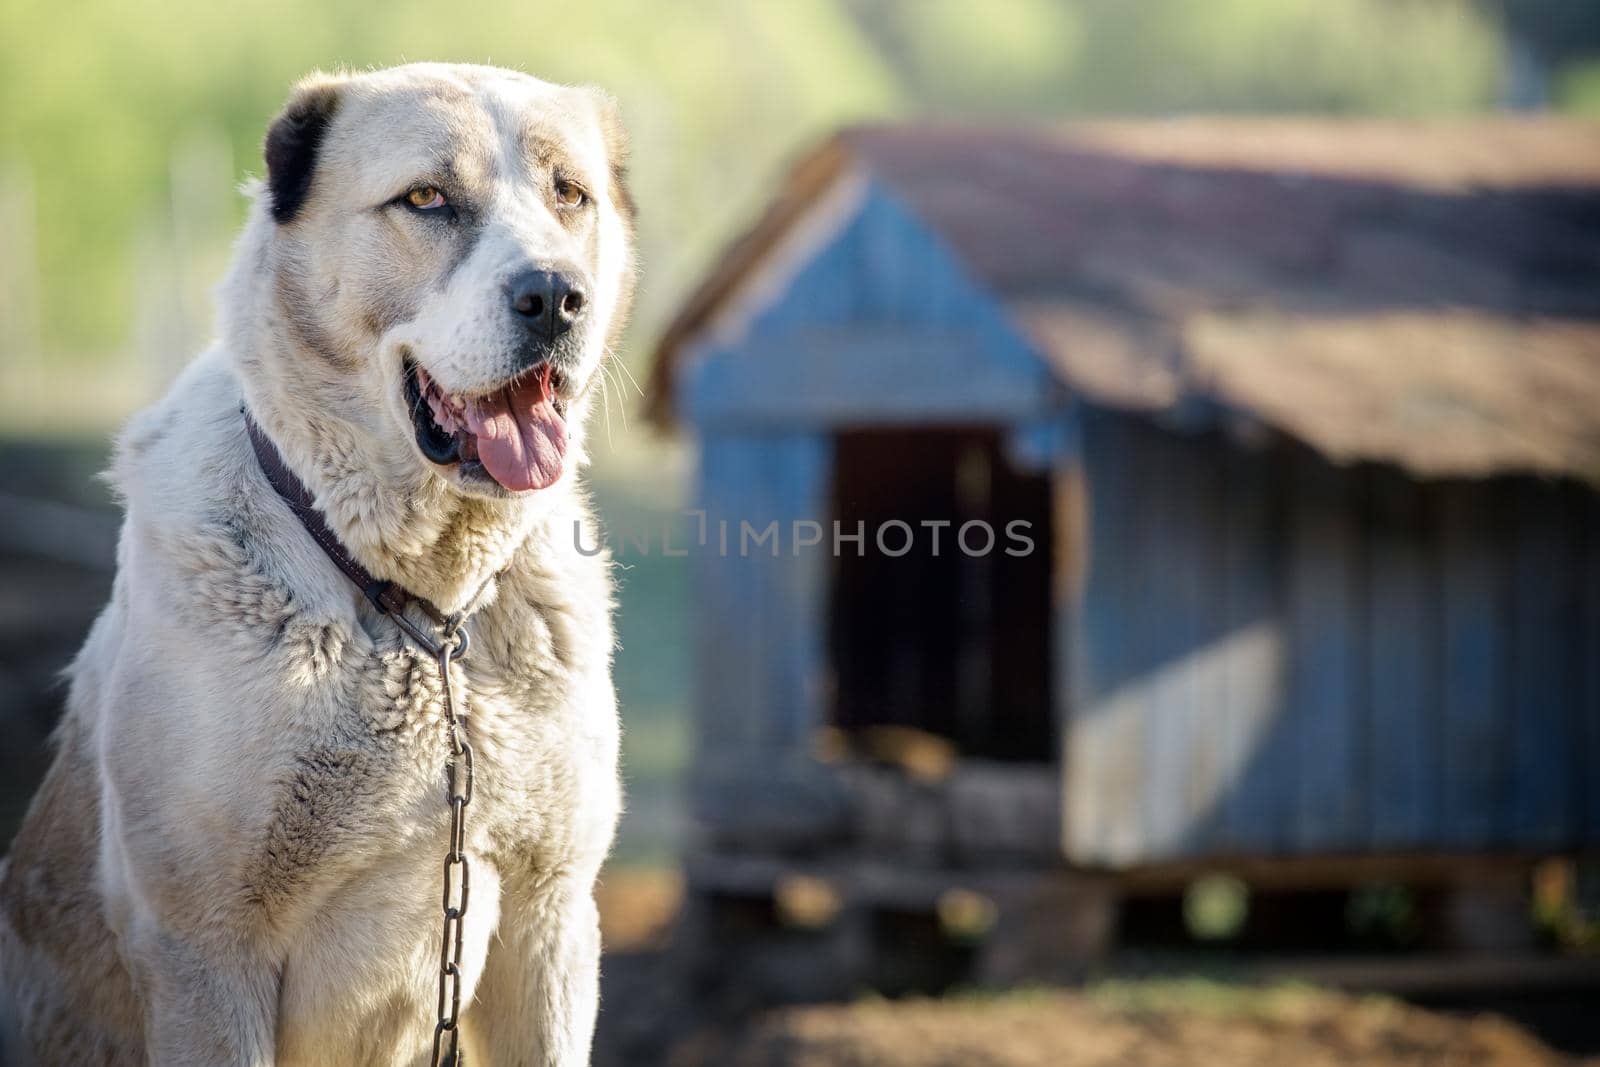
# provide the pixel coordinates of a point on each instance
(293, 140)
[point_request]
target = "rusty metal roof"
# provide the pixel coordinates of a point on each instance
(1422, 294)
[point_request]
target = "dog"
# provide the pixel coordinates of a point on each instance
(236, 856)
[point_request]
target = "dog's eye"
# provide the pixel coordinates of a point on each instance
(425, 198)
(570, 194)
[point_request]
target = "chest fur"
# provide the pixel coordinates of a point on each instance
(354, 847)
(360, 770)
(339, 764)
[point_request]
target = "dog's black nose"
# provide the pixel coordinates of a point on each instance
(549, 301)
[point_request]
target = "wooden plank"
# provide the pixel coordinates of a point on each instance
(758, 807)
(1454, 976)
(1587, 732)
(881, 322)
(901, 261)
(1404, 639)
(828, 286)
(1326, 704)
(1335, 870)
(1209, 773)
(867, 373)
(721, 725)
(744, 652)
(1543, 646)
(980, 811)
(1167, 600)
(1102, 749)
(784, 588)
(1126, 701)
(1256, 748)
(759, 618)
(1071, 555)
(1176, 558)
(800, 591)
(1178, 669)
(1094, 618)
(1006, 810)
(884, 264)
(1070, 916)
(1473, 737)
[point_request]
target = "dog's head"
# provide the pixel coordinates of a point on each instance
(451, 246)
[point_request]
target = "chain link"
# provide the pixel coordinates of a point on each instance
(457, 867)
(449, 642)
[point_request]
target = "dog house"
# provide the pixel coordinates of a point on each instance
(1301, 423)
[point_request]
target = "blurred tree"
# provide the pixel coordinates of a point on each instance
(1550, 48)
(995, 57)
(1558, 30)
(1096, 56)
(96, 95)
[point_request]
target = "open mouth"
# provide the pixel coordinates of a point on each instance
(515, 435)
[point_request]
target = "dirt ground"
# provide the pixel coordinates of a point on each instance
(1154, 1027)
(1163, 1023)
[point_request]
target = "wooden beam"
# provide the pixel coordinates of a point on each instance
(1331, 871)
(869, 373)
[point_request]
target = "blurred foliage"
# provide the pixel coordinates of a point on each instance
(1578, 88)
(1215, 907)
(1558, 30)
(98, 97)
(1043, 56)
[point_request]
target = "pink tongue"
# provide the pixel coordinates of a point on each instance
(521, 439)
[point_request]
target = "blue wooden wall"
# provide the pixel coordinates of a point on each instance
(881, 324)
(759, 624)
(1264, 655)
(1274, 656)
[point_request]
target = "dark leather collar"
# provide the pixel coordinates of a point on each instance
(388, 597)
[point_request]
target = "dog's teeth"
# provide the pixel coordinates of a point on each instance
(440, 415)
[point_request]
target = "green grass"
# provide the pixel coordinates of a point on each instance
(1578, 88)
(638, 484)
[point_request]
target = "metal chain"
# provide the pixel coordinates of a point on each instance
(451, 645)
(393, 600)
(457, 869)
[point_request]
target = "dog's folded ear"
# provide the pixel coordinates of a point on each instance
(616, 139)
(293, 140)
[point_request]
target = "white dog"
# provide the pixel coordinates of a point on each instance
(237, 856)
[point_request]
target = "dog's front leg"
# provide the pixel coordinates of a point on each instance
(540, 991)
(202, 1007)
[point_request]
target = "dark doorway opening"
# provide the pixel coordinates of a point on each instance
(948, 639)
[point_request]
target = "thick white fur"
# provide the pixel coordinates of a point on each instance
(236, 858)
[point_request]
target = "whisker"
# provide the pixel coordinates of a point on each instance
(622, 404)
(605, 404)
(622, 364)
(419, 402)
